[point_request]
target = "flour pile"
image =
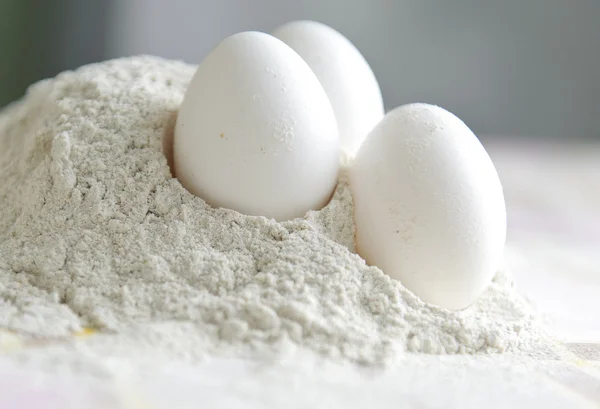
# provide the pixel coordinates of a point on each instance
(95, 232)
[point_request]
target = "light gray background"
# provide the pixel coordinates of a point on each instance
(524, 67)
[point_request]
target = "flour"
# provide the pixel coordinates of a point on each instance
(96, 233)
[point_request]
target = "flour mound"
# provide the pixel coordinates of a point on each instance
(95, 232)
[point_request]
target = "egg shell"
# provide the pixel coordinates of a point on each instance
(429, 206)
(256, 132)
(344, 73)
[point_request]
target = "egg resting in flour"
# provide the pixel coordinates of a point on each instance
(429, 206)
(256, 132)
(344, 73)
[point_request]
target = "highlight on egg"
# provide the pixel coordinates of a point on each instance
(256, 132)
(429, 206)
(345, 75)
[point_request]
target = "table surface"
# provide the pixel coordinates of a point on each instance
(552, 192)
(553, 200)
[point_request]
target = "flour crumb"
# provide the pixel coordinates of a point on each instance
(96, 233)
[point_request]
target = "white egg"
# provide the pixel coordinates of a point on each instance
(429, 207)
(346, 76)
(256, 132)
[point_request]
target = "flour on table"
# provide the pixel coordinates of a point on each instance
(96, 233)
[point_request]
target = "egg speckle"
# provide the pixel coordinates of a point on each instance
(276, 153)
(345, 75)
(429, 207)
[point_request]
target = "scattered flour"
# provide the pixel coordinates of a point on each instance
(96, 233)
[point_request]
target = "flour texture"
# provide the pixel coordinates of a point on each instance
(96, 233)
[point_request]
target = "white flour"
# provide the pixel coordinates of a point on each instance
(94, 232)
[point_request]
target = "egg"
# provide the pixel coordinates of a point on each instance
(256, 132)
(429, 206)
(344, 73)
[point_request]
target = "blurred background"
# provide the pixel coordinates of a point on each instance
(511, 67)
